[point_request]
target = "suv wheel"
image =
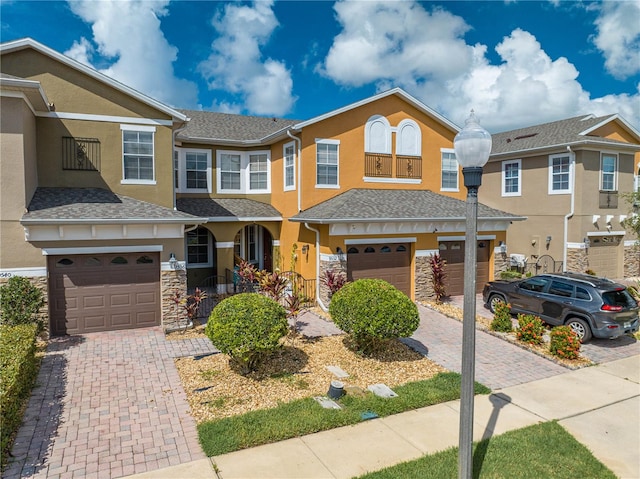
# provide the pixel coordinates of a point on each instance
(581, 328)
(494, 301)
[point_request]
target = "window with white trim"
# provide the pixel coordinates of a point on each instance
(408, 139)
(512, 178)
(289, 160)
(377, 135)
(449, 170)
(138, 154)
(192, 169)
(246, 172)
(609, 172)
(559, 174)
(199, 248)
(327, 156)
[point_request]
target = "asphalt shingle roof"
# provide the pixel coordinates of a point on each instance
(394, 205)
(549, 134)
(225, 126)
(231, 208)
(59, 204)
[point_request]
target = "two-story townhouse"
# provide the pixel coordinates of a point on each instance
(86, 185)
(568, 178)
(372, 189)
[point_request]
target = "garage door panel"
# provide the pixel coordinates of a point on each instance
(120, 300)
(103, 292)
(122, 320)
(146, 298)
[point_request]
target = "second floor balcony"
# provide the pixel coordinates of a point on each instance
(381, 165)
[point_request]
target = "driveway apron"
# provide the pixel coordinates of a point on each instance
(107, 405)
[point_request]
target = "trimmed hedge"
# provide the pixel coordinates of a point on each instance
(373, 311)
(18, 371)
(20, 302)
(246, 326)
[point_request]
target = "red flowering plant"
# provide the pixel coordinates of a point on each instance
(530, 329)
(438, 276)
(564, 342)
(334, 281)
(188, 305)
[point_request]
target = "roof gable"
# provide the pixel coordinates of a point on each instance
(570, 131)
(29, 43)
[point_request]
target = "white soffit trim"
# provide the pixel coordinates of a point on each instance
(462, 238)
(250, 219)
(31, 91)
(102, 249)
(380, 240)
(24, 43)
(421, 253)
(224, 244)
(626, 125)
(104, 118)
(606, 233)
(25, 272)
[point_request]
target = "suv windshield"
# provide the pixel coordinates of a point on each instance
(618, 298)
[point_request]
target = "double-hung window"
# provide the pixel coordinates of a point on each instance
(199, 248)
(138, 154)
(289, 156)
(243, 172)
(609, 172)
(192, 170)
(449, 170)
(559, 174)
(327, 156)
(512, 178)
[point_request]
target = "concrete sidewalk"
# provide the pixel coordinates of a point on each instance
(600, 406)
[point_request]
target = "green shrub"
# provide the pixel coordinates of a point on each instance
(510, 274)
(20, 301)
(564, 342)
(502, 318)
(246, 327)
(372, 311)
(530, 329)
(18, 370)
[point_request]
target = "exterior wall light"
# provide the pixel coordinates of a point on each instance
(173, 262)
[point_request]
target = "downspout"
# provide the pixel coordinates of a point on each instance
(173, 166)
(318, 299)
(299, 155)
(570, 214)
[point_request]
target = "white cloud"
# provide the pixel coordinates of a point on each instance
(236, 65)
(618, 37)
(402, 44)
(400, 40)
(128, 37)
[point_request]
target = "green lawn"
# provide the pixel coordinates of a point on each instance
(542, 451)
(305, 416)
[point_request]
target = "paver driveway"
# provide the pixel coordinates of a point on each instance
(107, 405)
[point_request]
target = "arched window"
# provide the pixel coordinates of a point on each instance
(144, 260)
(385, 249)
(352, 250)
(409, 139)
(401, 249)
(64, 262)
(369, 249)
(119, 260)
(377, 135)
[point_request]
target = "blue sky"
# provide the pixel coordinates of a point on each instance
(516, 63)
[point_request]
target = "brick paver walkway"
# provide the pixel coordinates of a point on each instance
(107, 405)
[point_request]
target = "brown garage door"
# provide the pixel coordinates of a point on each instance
(603, 256)
(103, 292)
(390, 262)
(453, 253)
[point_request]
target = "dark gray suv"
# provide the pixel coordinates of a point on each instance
(592, 306)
